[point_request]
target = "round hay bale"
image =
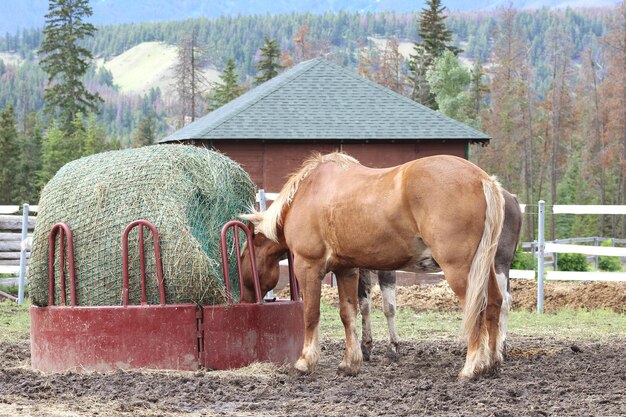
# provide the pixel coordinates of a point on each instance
(187, 192)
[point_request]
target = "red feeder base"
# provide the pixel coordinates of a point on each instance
(108, 338)
(240, 334)
(164, 337)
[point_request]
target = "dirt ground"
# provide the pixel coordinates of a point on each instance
(541, 376)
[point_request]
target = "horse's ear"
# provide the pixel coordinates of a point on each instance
(251, 227)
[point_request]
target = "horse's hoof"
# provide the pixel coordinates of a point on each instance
(465, 379)
(492, 372)
(469, 375)
(487, 371)
(302, 367)
(347, 370)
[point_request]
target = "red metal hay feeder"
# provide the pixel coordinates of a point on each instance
(164, 336)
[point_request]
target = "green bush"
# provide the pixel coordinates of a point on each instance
(10, 289)
(523, 260)
(572, 262)
(609, 263)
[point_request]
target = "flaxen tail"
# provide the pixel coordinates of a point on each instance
(478, 279)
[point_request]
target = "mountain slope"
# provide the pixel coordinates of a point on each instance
(148, 65)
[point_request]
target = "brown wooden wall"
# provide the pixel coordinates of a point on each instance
(270, 164)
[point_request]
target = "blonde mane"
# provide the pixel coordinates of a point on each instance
(267, 222)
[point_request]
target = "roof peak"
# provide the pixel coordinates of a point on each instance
(319, 99)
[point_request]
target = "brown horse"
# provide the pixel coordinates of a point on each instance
(507, 245)
(332, 215)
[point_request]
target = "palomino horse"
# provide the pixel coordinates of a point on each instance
(332, 215)
(507, 245)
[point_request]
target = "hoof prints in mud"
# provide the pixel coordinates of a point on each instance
(540, 377)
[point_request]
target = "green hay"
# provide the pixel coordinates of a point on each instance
(188, 193)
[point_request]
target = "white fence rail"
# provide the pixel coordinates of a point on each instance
(584, 276)
(588, 209)
(550, 247)
(585, 250)
(16, 209)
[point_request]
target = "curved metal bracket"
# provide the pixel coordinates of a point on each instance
(65, 233)
(235, 224)
(142, 261)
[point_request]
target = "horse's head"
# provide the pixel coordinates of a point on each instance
(267, 253)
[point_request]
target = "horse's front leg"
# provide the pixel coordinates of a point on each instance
(310, 282)
(347, 285)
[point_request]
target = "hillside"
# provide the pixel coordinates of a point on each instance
(146, 66)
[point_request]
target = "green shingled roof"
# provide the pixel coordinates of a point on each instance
(318, 100)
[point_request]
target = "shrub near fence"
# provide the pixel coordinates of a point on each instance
(609, 263)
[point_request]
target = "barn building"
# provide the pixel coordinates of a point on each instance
(320, 106)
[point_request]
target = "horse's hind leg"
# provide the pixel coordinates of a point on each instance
(483, 341)
(365, 301)
(503, 283)
(478, 358)
(347, 286)
(493, 313)
(387, 282)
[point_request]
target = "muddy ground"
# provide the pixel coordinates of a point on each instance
(541, 377)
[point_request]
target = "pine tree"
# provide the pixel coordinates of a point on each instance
(144, 134)
(227, 89)
(30, 160)
(9, 156)
(66, 61)
(269, 64)
(436, 38)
